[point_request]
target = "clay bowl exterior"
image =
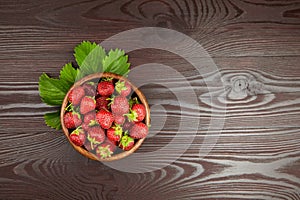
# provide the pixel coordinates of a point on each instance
(141, 97)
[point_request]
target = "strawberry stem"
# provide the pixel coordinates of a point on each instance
(91, 83)
(131, 116)
(111, 100)
(120, 85)
(77, 129)
(69, 107)
(133, 101)
(92, 145)
(107, 79)
(93, 123)
(118, 129)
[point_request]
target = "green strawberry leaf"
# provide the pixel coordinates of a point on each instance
(53, 120)
(68, 74)
(82, 50)
(52, 91)
(116, 62)
(89, 57)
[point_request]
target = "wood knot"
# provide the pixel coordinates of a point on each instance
(243, 85)
(239, 84)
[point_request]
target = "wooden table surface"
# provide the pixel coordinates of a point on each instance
(254, 43)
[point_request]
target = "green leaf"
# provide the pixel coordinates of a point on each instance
(82, 50)
(89, 57)
(68, 74)
(53, 120)
(116, 62)
(52, 91)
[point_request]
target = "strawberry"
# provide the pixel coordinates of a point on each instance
(119, 105)
(90, 118)
(105, 118)
(85, 127)
(105, 88)
(114, 142)
(126, 143)
(119, 119)
(114, 133)
(78, 137)
(139, 130)
(127, 125)
(102, 103)
(123, 88)
(75, 95)
(96, 135)
(89, 121)
(87, 104)
(90, 89)
(105, 150)
(137, 113)
(72, 120)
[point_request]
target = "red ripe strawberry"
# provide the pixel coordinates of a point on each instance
(140, 110)
(89, 120)
(105, 88)
(114, 143)
(119, 119)
(72, 120)
(105, 150)
(139, 130)
(127, 125)
(105, 118)
(123, 88)
(119, 105)
(78, 137)
(96, 135)
(75, 95)
(126, 143)
(137, 113)
(87, 104)
(102, 103)
(85, 127)
(114, 133)
(90, 89)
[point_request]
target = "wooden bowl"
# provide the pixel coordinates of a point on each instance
(139, 94)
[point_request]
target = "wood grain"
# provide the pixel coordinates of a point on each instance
(256, 91)
(240, 159)
(245, 96)
(224, 28)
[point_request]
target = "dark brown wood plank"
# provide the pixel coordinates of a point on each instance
(279, 42)
(255, 158)
(224, 28)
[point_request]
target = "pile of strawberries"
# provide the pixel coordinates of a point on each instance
(104, 115)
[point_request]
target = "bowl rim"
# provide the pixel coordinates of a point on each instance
(141, 97)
